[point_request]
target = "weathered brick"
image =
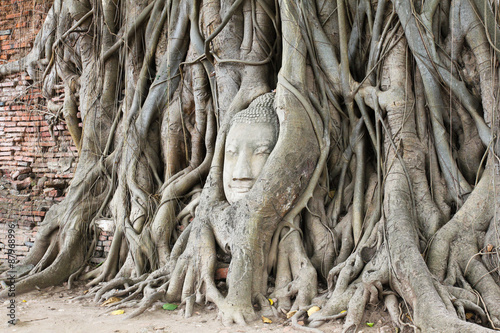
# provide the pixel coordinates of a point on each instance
(13, 15)
(7, 83)
(29, 123)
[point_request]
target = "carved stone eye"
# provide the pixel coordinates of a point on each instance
(264, 150)
(231, 152)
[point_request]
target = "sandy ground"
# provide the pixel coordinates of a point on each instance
(54, 310)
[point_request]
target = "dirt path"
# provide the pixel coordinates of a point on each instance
(53, 310)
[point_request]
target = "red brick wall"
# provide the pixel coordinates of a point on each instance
(34, 166)
(23, 18)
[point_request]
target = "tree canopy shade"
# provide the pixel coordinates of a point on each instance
(381, 186)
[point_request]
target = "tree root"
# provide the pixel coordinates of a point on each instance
(113, 284)
(150, 297)
(295, 276)
(300, 313)
(354, 296)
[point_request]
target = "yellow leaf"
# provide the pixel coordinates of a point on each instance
(290, 314)
(489, 248)
(271, 301)
(266, 320)
(111, 300)
(331, 194)
(86, 291)
(469, 315)
(343, 311)
(313, 310)
(118, 312)
(24, 301)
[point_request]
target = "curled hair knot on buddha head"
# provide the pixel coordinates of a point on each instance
(260, 110)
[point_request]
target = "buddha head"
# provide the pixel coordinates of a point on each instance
(252, 136)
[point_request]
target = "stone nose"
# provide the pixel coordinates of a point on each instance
(243, 169)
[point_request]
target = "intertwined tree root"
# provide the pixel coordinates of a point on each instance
(381, 189)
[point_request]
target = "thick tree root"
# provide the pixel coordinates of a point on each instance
(295, 276)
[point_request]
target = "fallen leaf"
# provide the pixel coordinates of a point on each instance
(290, 314)
(266, 320)
(300, 322)
(169, 306)
(24, 301)
(469, 315)
(271, 301)
(312, 310)
(369, 324)
(331, 194)
(86, 291)
(111, 300)
(118, 312)
(343, 311)
(489, 248)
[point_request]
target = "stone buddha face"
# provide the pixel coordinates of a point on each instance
(251, 138)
